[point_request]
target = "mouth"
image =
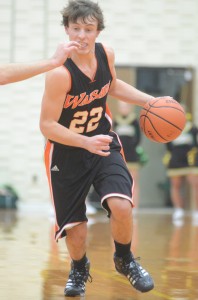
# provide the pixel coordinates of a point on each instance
(82, 45)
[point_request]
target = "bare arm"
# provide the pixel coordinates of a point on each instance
(124, 91)
(56, 87)
(10, 73)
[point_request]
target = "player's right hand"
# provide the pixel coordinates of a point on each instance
(99, 144)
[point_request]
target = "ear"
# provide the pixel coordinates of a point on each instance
(98, 32)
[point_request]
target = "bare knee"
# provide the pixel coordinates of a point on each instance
(176, 182)
(77, 235)
(121, 209)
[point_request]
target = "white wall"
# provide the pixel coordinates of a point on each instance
(142, 33)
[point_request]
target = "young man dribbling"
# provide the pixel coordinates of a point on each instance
(81, 149)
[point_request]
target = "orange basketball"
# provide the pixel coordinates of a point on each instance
(162, 120)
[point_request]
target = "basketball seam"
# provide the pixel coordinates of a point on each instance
(162, 119)
(156, 100)
(152, 106)
(153, 128)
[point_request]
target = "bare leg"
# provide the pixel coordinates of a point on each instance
(193, 181)
(76, 241)
(176, 184)
(121, 228)
(176, 197)
(121, 220)
(79, 274)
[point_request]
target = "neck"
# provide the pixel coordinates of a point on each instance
(86, 63)
(81, 59)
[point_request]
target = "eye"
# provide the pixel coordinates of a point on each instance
(76, 28)
(88, 29)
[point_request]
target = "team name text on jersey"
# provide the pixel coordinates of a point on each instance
(84, 99)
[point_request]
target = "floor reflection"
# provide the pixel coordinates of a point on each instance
(33, 266)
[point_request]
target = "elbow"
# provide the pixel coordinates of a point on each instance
(43, 128)
(46, 128)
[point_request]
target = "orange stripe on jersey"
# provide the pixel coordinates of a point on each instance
(108, 111)
(47, 159)
(122, 150)
(49, 147)
(108, 114)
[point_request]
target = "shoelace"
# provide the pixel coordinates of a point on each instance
(77, 276)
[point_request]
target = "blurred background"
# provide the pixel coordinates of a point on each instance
(156, 46)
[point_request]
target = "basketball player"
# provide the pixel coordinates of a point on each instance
(81, 149)
(17, 72)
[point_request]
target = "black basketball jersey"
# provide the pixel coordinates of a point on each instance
(85, 110)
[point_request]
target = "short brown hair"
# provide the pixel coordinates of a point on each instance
(82, 9)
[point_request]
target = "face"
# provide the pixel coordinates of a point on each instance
(85, 33)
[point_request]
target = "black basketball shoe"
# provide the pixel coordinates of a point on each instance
(138, 277)
(75, 285)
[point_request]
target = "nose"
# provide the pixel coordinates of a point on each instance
(81, 33)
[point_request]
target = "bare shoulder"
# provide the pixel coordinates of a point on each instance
(57, 74)
(110, 53)
(58, 80)
(108, 49)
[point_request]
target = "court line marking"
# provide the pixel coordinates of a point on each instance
(154, 292)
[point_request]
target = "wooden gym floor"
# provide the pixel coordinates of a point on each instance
(34, 267)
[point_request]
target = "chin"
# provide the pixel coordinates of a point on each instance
(84, 51)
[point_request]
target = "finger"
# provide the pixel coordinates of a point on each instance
(105, 148)
(102, 153)
(73, 43)
(169, 97)
(106, 138)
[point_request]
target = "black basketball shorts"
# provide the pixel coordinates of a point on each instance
(71, 172)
